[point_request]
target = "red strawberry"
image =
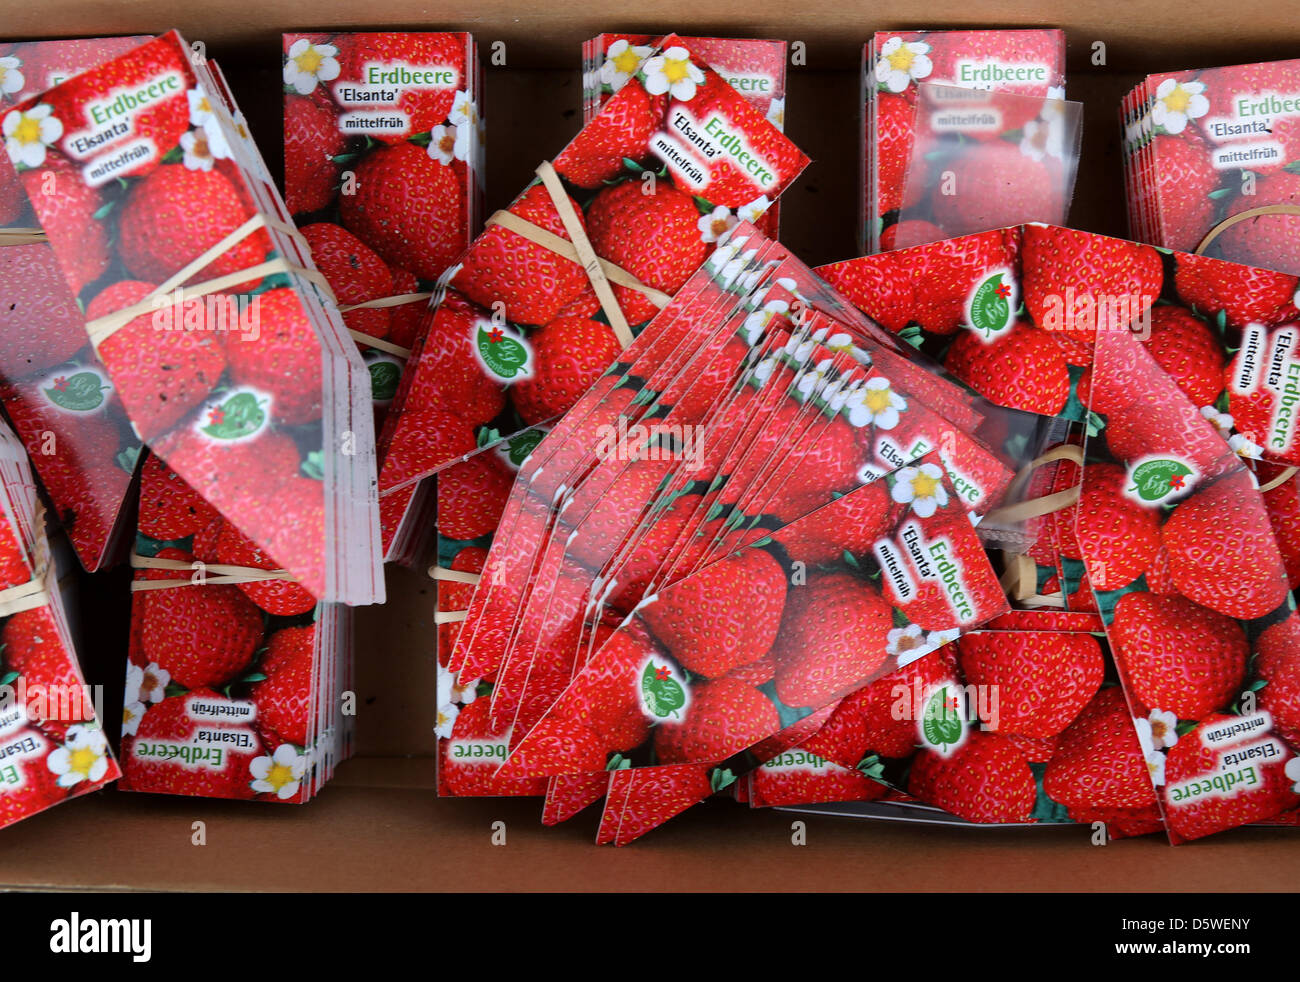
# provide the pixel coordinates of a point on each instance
(1267, 241)
(280, 598)
(869, 720)
(827, 463)
(33, 649)
(1079, 283)
(911, 232)
(570, 353)
(476, 775)
(296, 536)
(284, 697)
(423, 107)
(355, 274)
(654, 236)
(648, 551)
(225, 473)
(880, 286)
(724, 717)
(533, 282)
(622, 129)
(726, 615)
(947, 273)
(39, 788)
(1044, 679)
(1117, 537)
(1185, 347)
(472, 495)
(1191, 759)
(1244, 295)
(447, 373)
(406, 321)
(987, 779)
(13, 201)
(806, 785)
(282, 359)
(895, 127)
(66, 209)
(604, 512)
(88, 499)
(35, 292)
(159, 375)
(1176, 656)
(456, 596)
(426, 440)
(1185, 179)
(1221, 552)
(832, 638)
(822, 537)
(1098, 763)
(170, 723)
(1278, 665)
(1283, 505)
(996, 185)
(14, 570)
(557, 745)
(1039, 382)
(169, 508)
(175, 215)
(643, 798)
(202, 635)
(409, 208)
(311, 142)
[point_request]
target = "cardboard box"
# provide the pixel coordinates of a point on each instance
(379, 825)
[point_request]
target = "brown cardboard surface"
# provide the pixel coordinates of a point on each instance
(380, 825)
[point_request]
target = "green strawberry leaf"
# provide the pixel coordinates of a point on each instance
(1185, 727)
(618, 763)
(721, 777)
(128, 458)
(913, 335)
(314, 465)
(488, 436)
(254, 677)
(8, 678)
(873, 767)
(174, 689)
(102, 213)
(1221, 193)
(519, 448)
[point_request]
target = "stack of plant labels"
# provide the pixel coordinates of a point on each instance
(52, 745)
(963, 131)
(765, 504)
(54, 389)
(1212, 162)
(202, 304)
(236, 673)
(383, 140)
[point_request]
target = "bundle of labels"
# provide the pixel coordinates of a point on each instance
(1169, 521)
(964, 131)
(383, 141)
(754, 68)
(767, 503)
(53, 387)
(52, 745)
(1212, 162)
(214, 331)
(236, 673)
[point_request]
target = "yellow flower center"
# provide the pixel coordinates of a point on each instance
(28, 131)
(901, 60)
(676, 69)
(907, 642)
(279, 775)
(923, 485)
(1178, 100)
(448, 143)
(877, 400)
(309, 61)
(81, 761)
(625, 62)
(443, 718)
(719, 226)
(1158, 730)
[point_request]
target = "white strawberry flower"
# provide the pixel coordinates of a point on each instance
(309, 65)
(134, 678)
(622, 59)
(154, 680)
(673, 73)
(463, 110)
(922, 488)
(1043, 138)
(901, 64)
(444, 144)
(279, 774)
(1292, 772)
(938, 639)
(1221, 421)
(756, 323)
(839, 398)
(1155, 761)
(716, 224)
(201, 112)
(83, 756)
(447, 713)
(196, 152)
(29, 134)
(813, 380)
(132, 713)
(1244, 446)
(753, 211)
(11, 76)
(840, 342)
(776, 114)
(877, 404)
(763, 370)
(907, 643)
(1177, 103)
(1158, 731)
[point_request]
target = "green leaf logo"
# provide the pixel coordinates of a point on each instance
(990, 310)
(1156, 480)
(384, 376)
(239, 416)
(663, 694)
(941, 725)
(78, 393)
(518, 449)
(505, 357)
